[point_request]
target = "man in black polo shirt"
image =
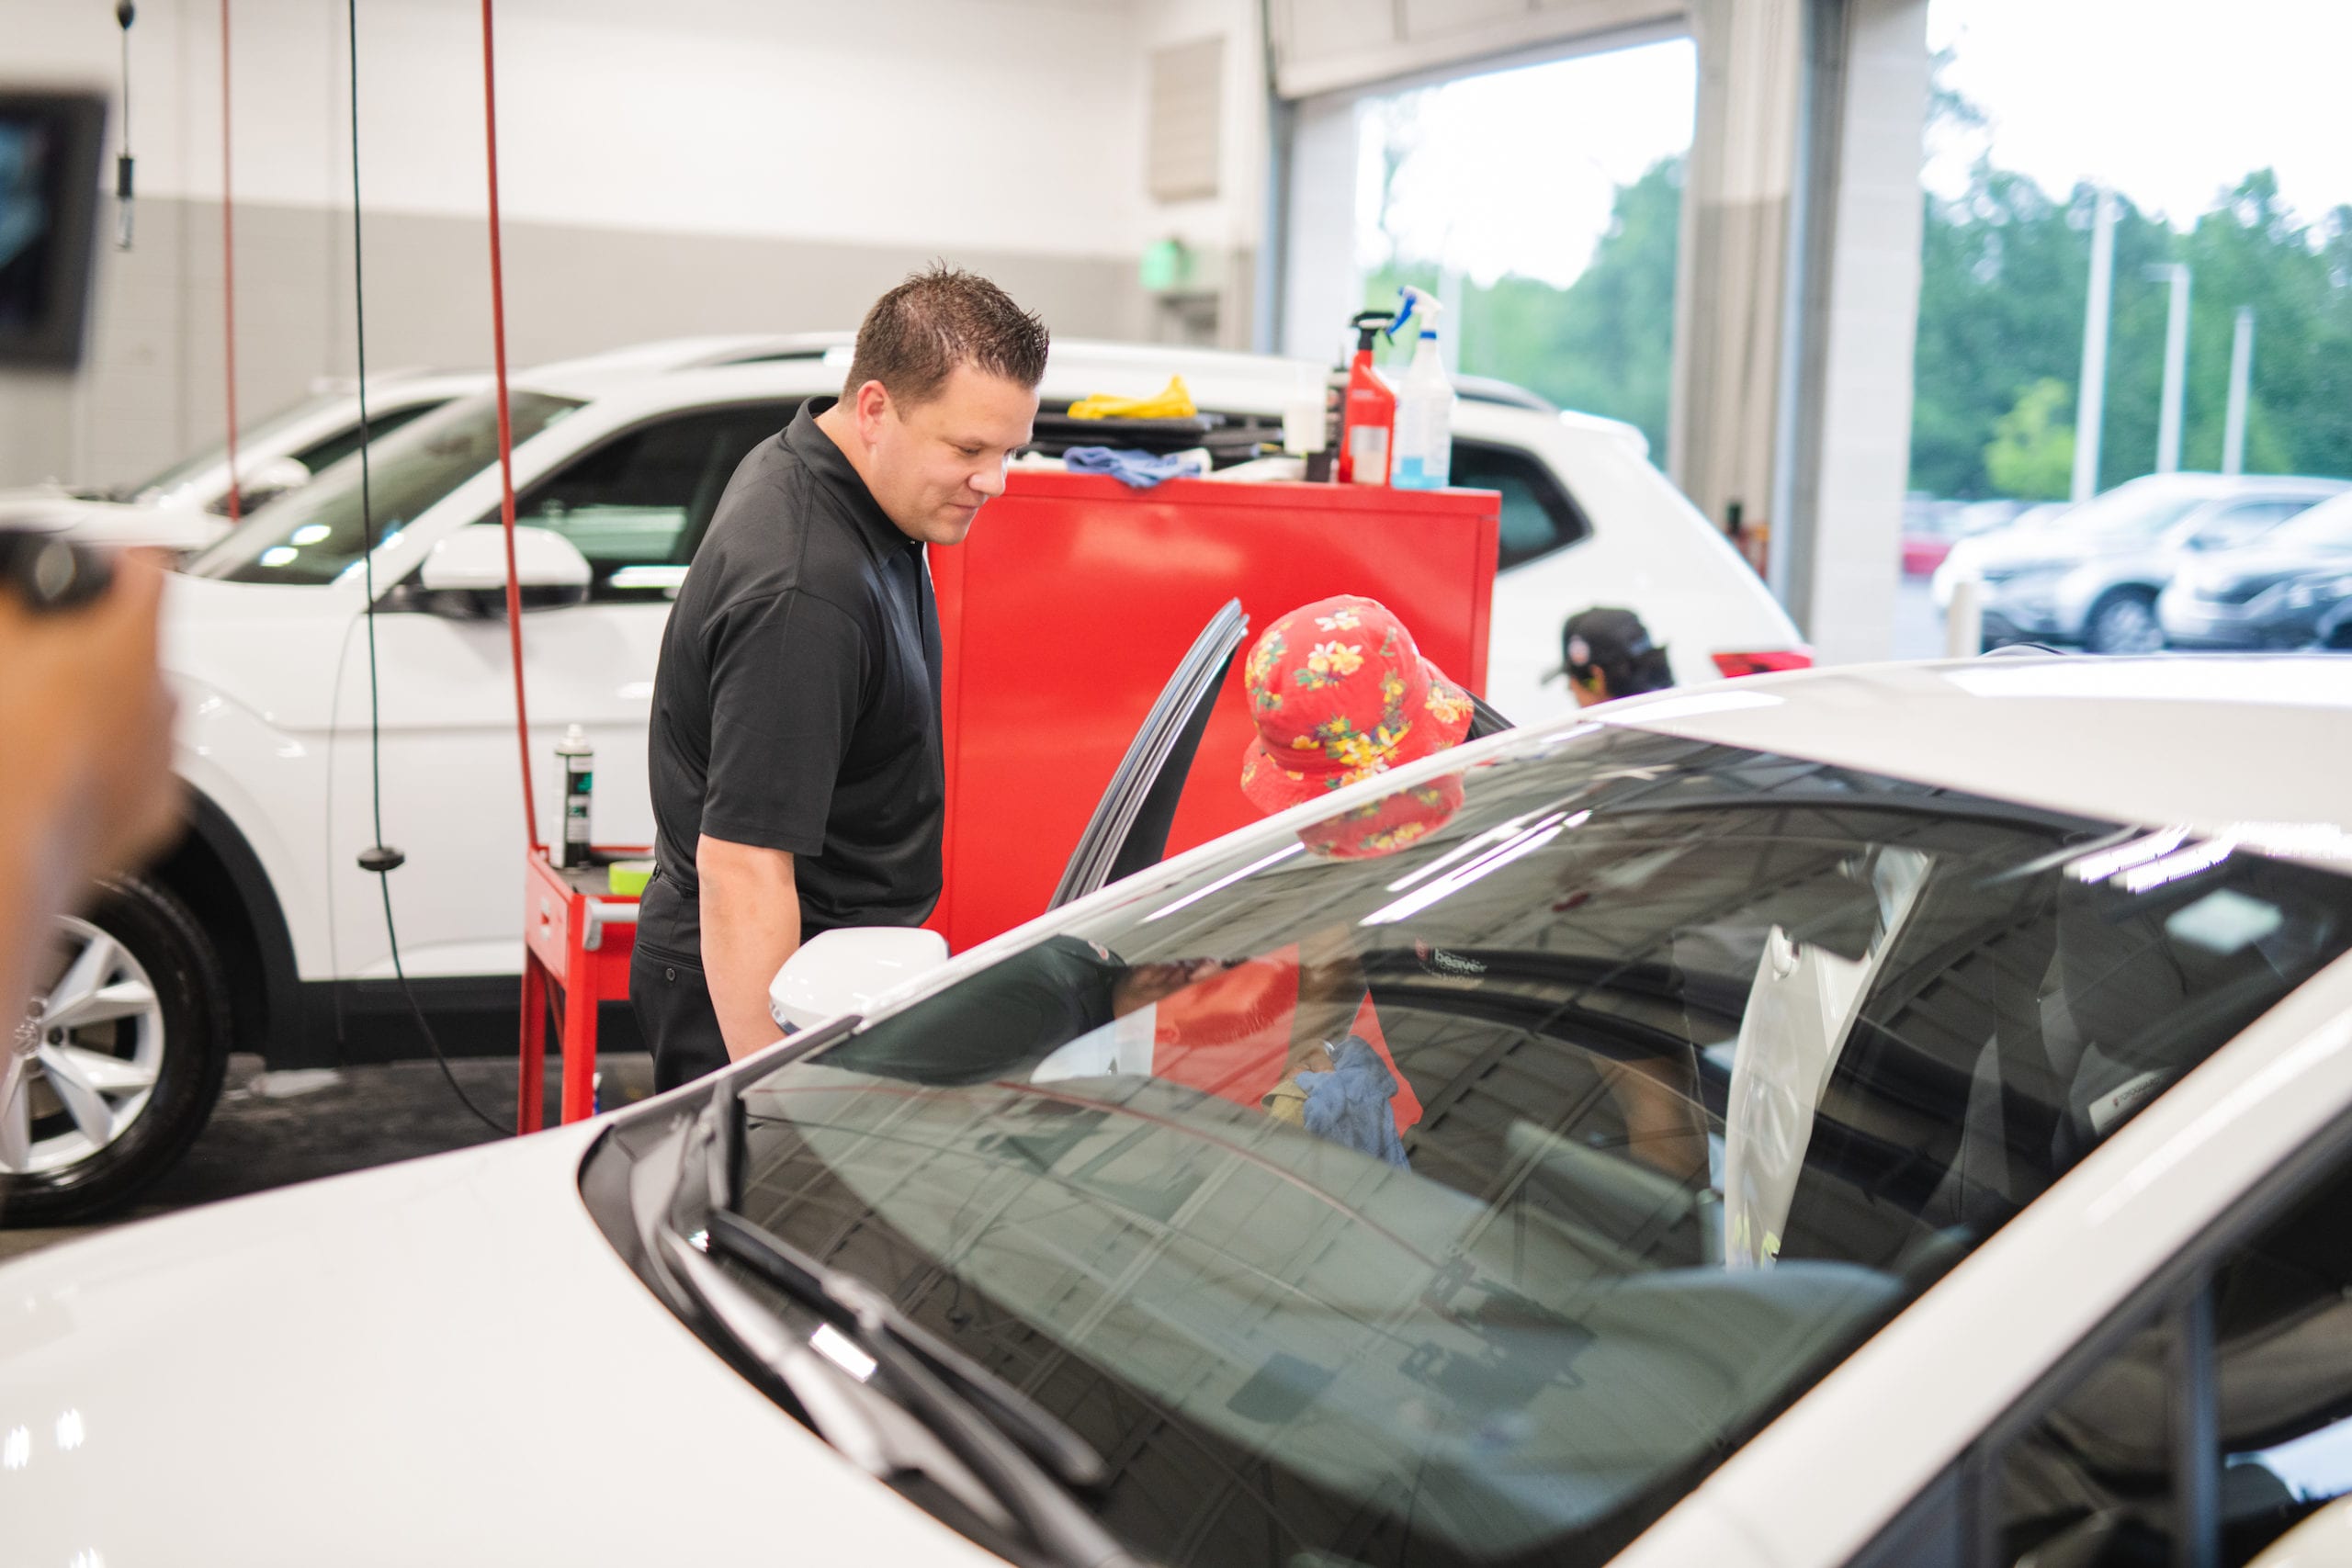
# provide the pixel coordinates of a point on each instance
(795, 760)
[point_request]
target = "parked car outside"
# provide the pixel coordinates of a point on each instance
(186, 506)
(1818, 1139)
(2092, 576)
(1929, 531)
(2288, 589)
(262, 932)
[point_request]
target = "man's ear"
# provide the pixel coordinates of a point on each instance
(870, 406)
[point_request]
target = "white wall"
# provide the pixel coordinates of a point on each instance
(990, 124)
(825, 147)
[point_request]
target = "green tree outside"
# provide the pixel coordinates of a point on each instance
(2004, 272)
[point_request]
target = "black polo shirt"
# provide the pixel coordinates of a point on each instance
(797, 703)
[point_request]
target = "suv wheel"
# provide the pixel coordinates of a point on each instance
(2124, 622)
(119, 1058)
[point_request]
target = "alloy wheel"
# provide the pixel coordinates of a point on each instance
(87, 1055)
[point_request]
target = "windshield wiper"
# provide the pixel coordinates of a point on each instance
(995, 1432)
(875, 1323)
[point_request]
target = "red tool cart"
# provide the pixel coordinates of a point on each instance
(577, 938)
(1063, 613)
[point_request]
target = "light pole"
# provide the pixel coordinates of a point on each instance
(2176, 364)
(2090, 397)
(2241, 375)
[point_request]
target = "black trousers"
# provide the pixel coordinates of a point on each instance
(673, 1012)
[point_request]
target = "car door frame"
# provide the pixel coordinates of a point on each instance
(1129, 828)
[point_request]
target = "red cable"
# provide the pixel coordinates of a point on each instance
(229, 278)
(505, 435)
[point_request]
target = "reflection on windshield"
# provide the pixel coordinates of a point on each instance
(1461, 1191)
(312, 534)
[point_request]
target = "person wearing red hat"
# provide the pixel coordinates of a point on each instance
(1340, 693)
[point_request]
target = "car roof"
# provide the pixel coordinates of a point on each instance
(1217, 378)
(2227, 487)
(2247, 748)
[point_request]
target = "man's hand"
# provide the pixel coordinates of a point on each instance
(86, 787)
(89, 726)
(751, 924)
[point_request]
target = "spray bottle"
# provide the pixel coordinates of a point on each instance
(1424, 406)
(1368, 411)
(579, 785)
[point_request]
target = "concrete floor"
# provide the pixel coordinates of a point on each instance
(274, 1129)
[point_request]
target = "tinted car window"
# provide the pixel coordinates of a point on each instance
(642, 499)
(319, 532)
(2097, 1481)
(322, 454)
(1459, 1178)
(1538, 516)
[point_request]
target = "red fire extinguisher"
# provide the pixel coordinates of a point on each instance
(1368, 414)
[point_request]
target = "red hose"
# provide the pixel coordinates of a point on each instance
(229, 278)
(505, 433)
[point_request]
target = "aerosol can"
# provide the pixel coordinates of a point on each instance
(1368, 409)
(579, 787)
(1424, 443)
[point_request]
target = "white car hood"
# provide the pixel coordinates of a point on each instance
(439, 1362)
(116, 523)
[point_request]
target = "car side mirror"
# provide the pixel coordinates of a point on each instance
(465, 574)
(848, 970)
(265, 482)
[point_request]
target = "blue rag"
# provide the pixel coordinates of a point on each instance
(1137, 470)
(1350, 1104)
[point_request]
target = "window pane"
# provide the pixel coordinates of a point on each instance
(2282, 1321)
(637, 501)
(321, 456)
(1537, 516)
(2091, 1484)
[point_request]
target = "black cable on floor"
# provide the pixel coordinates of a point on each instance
(379, 860)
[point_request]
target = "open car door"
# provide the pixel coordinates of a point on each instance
(1129, 828)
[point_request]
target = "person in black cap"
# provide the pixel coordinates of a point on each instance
(1609, 653)
(795, 759)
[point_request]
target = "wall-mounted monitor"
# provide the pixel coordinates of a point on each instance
(50, 155)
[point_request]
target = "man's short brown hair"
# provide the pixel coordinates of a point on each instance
(918, 333)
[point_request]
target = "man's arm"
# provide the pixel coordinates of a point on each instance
(751, 924)
(87, 786)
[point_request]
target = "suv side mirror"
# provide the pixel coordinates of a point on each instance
(465, 574)
(847, 970)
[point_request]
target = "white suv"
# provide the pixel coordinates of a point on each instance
(261, 928)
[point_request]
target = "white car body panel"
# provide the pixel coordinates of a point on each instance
(360, 1350)
(2053, 731)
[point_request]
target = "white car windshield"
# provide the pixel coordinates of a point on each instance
(2143, 512)
(315, 534)
(1459, 1179)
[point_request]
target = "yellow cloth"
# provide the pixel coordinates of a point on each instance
(1173, 401)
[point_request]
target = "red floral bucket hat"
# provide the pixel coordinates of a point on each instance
(1339, 693)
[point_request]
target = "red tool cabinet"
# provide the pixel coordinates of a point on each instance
(1065, 610)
